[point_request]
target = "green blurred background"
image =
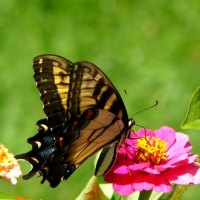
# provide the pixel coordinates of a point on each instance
(149, 48)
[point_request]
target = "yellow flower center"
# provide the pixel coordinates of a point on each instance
(151, 150)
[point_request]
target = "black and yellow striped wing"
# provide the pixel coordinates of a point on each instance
(85, 113)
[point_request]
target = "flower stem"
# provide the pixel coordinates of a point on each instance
(145, 195)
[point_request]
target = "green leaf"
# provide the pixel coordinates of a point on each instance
(178, 194)
(134, 196)
(107, 190)
(6, 196)
(192, 120)
(156, 195)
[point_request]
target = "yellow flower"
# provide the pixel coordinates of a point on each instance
(9, 168)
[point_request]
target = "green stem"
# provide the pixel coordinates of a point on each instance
(145, 195)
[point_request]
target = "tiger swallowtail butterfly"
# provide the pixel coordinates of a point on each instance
(85, 113)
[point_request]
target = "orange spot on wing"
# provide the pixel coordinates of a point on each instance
(90, 114)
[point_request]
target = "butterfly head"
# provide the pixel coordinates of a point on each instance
(131, 122)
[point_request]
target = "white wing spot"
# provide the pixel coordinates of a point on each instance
(40, 61)
(75, 67)
(45, 127)
(55, 63)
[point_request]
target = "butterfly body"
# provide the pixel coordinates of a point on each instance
(85, 113)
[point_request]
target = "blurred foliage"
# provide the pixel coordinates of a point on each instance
(192, 120)
(149, 48)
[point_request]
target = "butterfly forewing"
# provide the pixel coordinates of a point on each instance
(84, 114)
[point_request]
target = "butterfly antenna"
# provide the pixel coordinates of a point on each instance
(126, 94)
(156, 103)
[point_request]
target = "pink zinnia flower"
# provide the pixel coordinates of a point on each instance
(9, 168)
(153, 160)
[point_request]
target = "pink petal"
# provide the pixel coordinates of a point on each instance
(123, 190)
(182, 145)
(151, 170)
(177, 158)
(192, 158)
(161, 184)
(167, 134)
(121, 170)
(140, 166)
(188, 174)
(197, 177)
(149, 182)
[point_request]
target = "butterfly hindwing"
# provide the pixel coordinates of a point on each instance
(73, 88)
(85, 113)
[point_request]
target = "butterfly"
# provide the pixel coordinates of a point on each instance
(85, 113)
